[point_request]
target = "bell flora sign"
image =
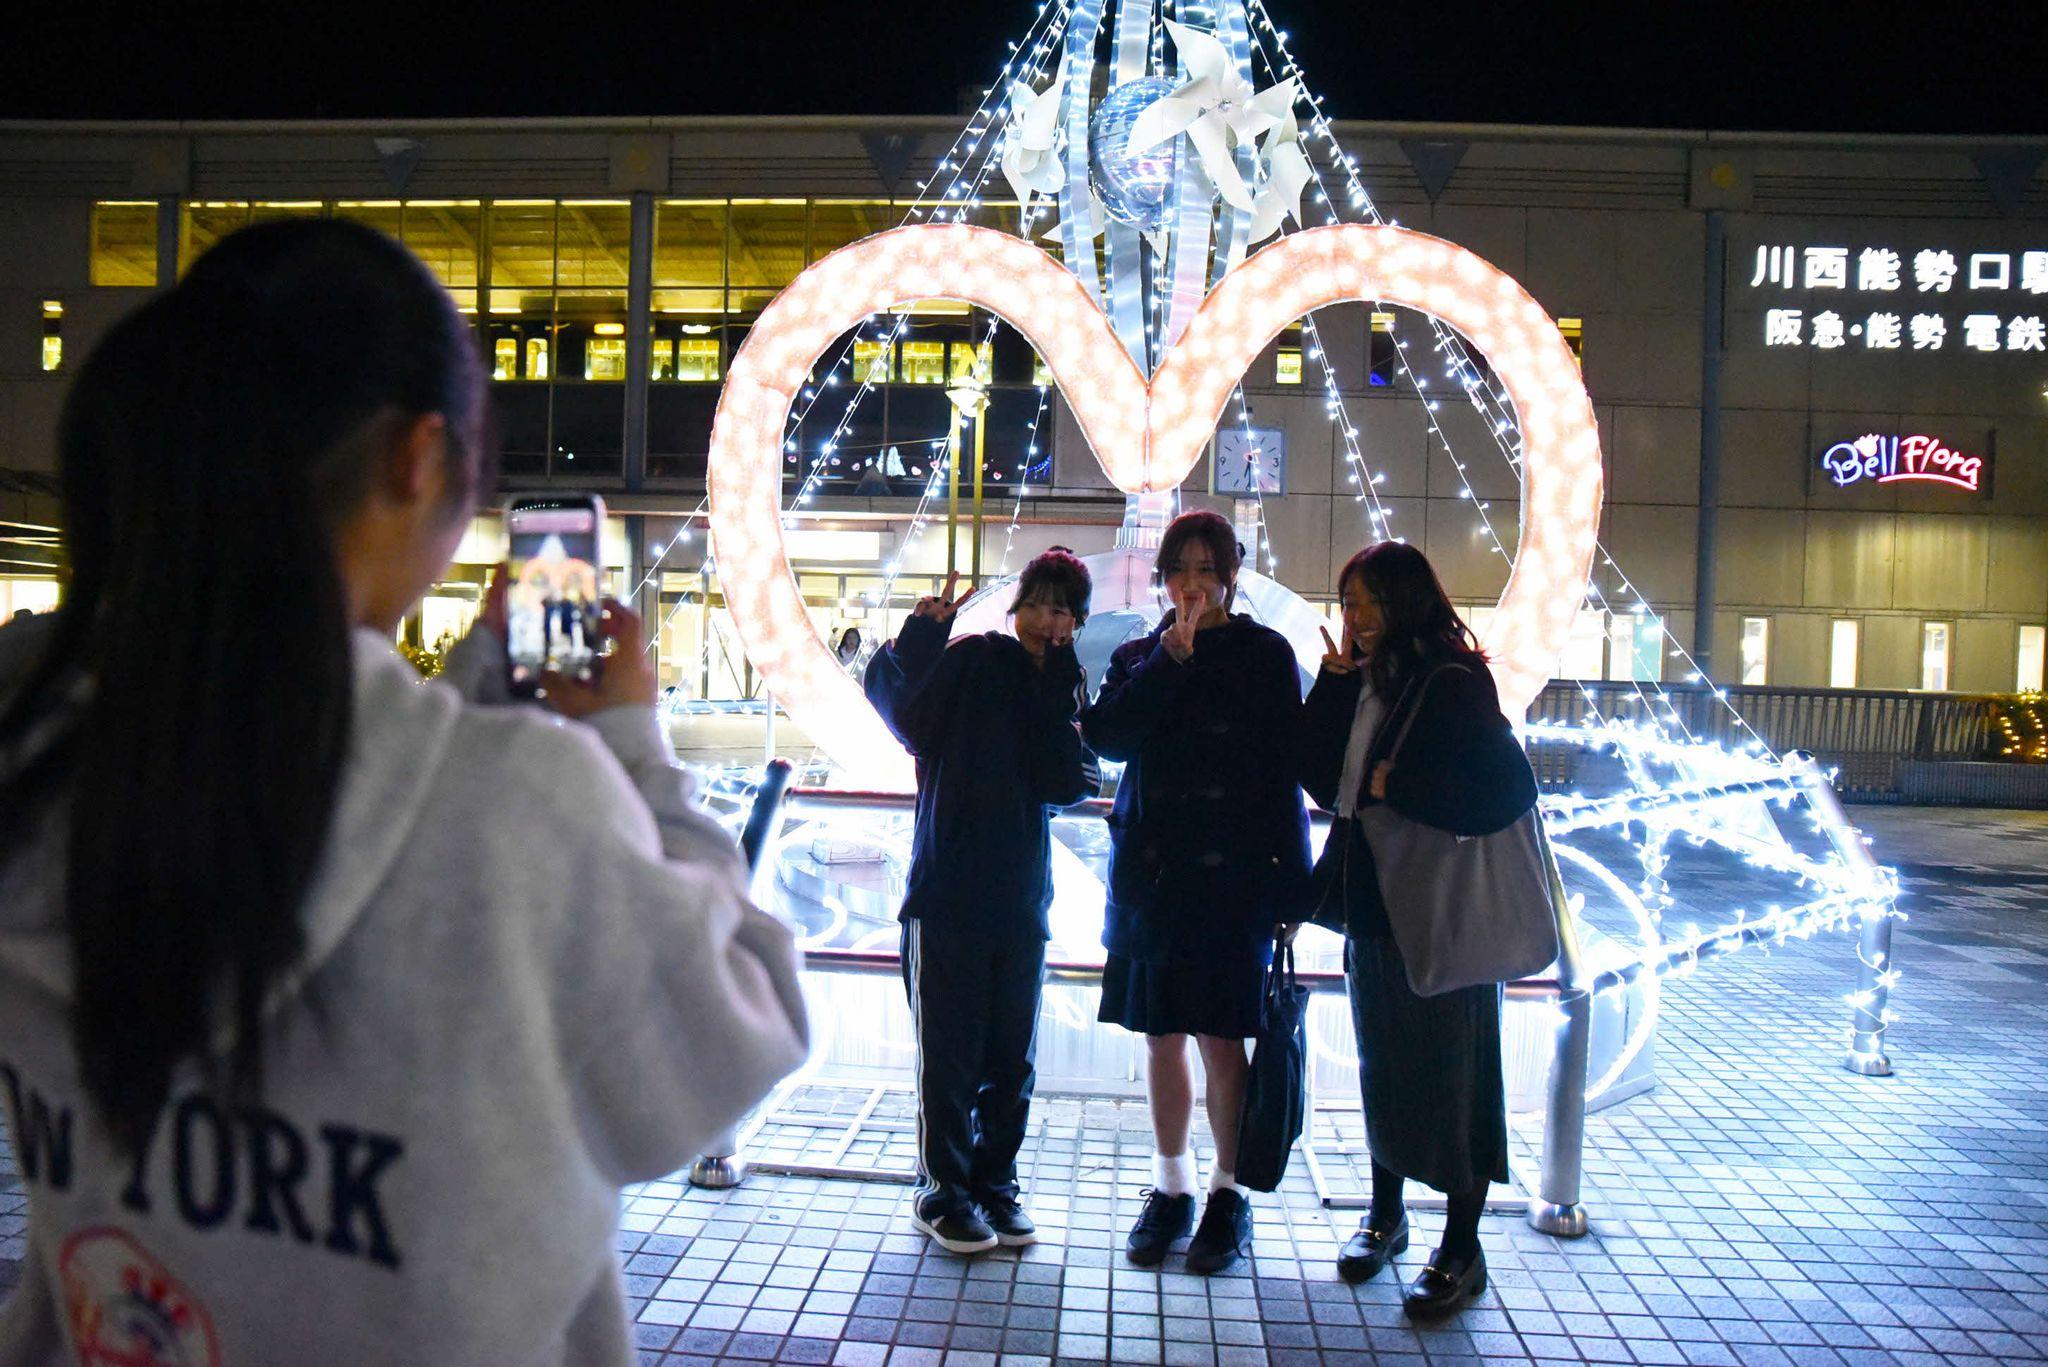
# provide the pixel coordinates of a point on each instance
(1884, 299)
(1899, 460)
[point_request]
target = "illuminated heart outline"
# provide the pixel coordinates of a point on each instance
(1146, 437)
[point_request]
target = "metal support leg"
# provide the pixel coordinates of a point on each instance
(1874, 944)
(1555, 1207)
(720, 1165)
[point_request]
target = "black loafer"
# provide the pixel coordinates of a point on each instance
(1445, 1286)
(1164, 1219)
(1369, 1250)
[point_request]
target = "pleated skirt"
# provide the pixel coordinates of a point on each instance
(1430, 1072)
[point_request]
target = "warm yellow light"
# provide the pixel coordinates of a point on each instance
(53, 308)
(610, 329)
(1146, 437)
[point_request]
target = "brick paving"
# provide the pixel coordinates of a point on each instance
(1760, 1205)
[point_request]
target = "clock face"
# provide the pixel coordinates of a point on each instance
(1251, 462)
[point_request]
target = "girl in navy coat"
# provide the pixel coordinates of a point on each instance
(990, 719)
(1429, 1067)
(1209, 850)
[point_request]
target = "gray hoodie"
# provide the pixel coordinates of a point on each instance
(531, 976)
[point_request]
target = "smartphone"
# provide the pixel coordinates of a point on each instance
(555, 598)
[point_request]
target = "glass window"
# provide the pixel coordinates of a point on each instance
(1383, 358)
(263, 211)
(124, 242)
(871, 362)
(661, 358)
(697, 359)
(837, 223)
(1635, 647)
(536, 358)
(1574, 330)
(1934, 649)
(1287, 365)
(445, 234)
(923, 362)
(201, 223)
(969, 361)
(1585, 648)
(53, 333)
(604, 358)
(593, 238)
(505, 358)
(689, 244)
(767, 245)
(1756, 650)
(1843, 650)
(523, 257)
(2033, 659)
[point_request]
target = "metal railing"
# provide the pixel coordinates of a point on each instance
(1865, 735)
(1555, 1206)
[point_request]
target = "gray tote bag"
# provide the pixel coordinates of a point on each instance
(1465, 909)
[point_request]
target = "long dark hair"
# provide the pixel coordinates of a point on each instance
(1208, 528)
(193, 704)
(1421, 627)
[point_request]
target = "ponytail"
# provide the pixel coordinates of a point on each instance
(196, 690)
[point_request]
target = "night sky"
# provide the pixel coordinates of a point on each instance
(1879, 67)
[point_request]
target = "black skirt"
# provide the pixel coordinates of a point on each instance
(1216, 996)
(1429, 1068)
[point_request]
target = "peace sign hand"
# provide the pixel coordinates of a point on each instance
(1335, 660)
(1179, 639)
(941, 608)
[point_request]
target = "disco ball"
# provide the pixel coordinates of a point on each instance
(1133, 189)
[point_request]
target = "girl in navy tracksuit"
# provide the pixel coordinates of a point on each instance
(990, 719)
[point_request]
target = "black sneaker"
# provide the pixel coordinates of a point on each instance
(1007, 1218)
(1164, 1219)
(1225, 1234)
(961, 1231)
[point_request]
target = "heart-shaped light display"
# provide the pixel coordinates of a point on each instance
(1147, 436)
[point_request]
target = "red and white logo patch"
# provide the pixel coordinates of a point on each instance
(126, 1309)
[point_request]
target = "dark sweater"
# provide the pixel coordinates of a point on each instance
(1461, 769)
(1209, 838)
(996, 746)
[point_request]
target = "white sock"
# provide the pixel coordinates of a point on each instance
(1220, 1177)
(1173, 1174)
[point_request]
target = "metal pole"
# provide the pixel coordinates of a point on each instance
(639, 336)
(952, 489)
(1874, 945)
(1555, 1208)
(1709, 515)
(980, 449)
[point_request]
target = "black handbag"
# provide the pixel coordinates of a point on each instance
(1276, 1093)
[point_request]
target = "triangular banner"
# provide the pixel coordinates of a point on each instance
(1434, 162)
(398, 157)
(891, 154)
(2008, 173)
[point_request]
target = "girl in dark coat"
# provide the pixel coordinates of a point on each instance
(1429, 1067)
(1209, 850)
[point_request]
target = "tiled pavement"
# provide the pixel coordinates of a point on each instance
(1761, 1205)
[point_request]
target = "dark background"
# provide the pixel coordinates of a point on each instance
(1884, 67)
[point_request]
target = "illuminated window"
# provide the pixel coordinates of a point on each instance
(1635, 647)
(505, 358)
(1585, 648)
(970, 362)
(1383, 358)
(2033, 659)
(697, 359)
(1574, 337)
(924, 362)
(124, 242)
(536, 358)
(1287, 366)
(604, 358)
(1935, 638)
(1756, 650)
(203, 222)
(53, 334)
(1843, 649)
(661, 359)
(871, 362)
(1041, 373)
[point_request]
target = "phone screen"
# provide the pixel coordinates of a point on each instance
(553, 603)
